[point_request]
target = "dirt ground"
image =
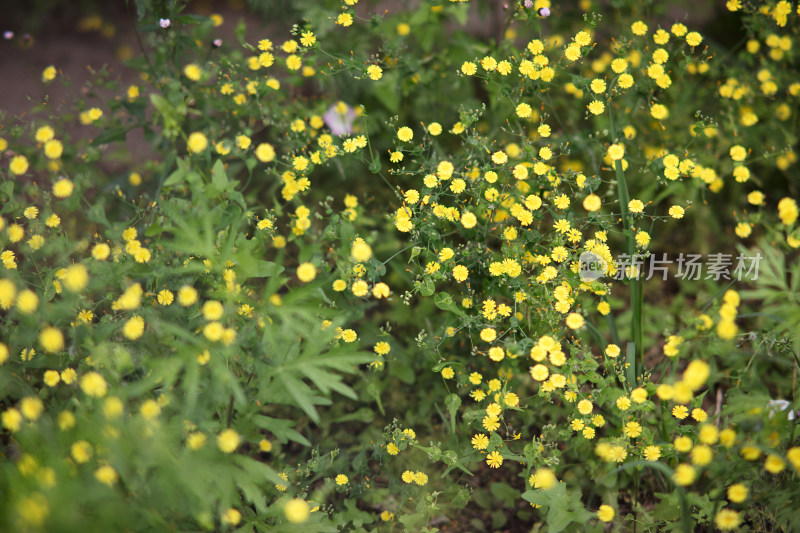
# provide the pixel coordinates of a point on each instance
(71, 49)
(78, 43)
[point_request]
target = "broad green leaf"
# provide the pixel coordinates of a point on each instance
(387, 93)
(453, 402)
(168, 113)
(97, 213)
(426, 287)
(218, 176)
(445, 302)
(546, 497)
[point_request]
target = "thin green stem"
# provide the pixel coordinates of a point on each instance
(636, 286)
(142, 49)
(794, 396)
(635, 501)
(637, 298)
(230, 413)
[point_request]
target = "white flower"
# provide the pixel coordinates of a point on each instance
(774, 406)
(164, 23)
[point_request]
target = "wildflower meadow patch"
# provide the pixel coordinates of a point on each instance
(444, 266)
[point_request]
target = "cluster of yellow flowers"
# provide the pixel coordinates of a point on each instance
(496, 230)
(478, 204)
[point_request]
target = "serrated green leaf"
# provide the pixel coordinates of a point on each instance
(282, 429)
(303, 396)
(252, 493)
(257, 471)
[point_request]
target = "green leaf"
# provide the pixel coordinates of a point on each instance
(387, 92)
(531, 452)
(247, 259)
(168, 113)
(7, 191)
(504, 492)
(364, 415)
(419, 17)
(154, 229)
(321, 370)
(563, 508)
(427, 287)
(450, 458)
(97, 213)
(256, 470)
(445, 302)
(630, 361)
(546, 497)
(402, 371)
(460, 13)
(252, 493)
(439, 366)
(452, 402)
(116, 134)
(558, 518)
(239, 31)
(302, 395)
(411, 521)
(237, 197)
(191, 19)
(282, 429)
(179, 175)
(499, 519)
(375, 166)
(219, 178)
(374, 391)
